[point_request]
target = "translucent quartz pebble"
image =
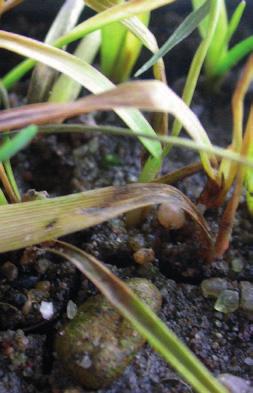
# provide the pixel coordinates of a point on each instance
(227, 302)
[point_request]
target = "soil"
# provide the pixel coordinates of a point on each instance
(62, 164)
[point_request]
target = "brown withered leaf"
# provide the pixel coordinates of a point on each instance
(26, 224)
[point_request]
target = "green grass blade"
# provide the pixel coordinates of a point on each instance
(144, 320)
(113, 37)
(81, 72)
(203, 26)
(232, 27)
(190, 23)
(177, 141)
(235, 20)
(196, 65)
(217, 45)
(12, 146)
(3, 200)
(129, 54)
(233, 56)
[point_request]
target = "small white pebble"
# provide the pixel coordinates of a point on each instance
(47, 310)
(71, 309)
(248, 361)
(235, 384)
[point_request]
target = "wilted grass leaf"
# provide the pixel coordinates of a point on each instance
(38, 221)
(81, 72)
(147, 95)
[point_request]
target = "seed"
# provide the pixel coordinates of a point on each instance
(171, 216)
(144, 255)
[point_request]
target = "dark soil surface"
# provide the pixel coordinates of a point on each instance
(62, 164)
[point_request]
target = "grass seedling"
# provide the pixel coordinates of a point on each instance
(120, 49)
(221, 57)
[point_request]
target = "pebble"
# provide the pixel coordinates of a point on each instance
(236, 384)
(237, 265)
(42, 265)
(9, 270)
(71, 309)
(47, 310)
(212, 287)
(246, 302)
(98, 344)
(227, 302)
(248, 361)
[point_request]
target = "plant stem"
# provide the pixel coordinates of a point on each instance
(7, 163)
(7, 185)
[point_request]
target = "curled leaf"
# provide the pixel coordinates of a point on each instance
(43, 220)
(148, 95)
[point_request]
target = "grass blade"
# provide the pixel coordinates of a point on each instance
(148, 95)
(190, 23)
(140, 35)
(227, 221)
(145, 321)
(196, 65)
(113, 37)
(43, 76)
(234, 55)
(119, 12)
(65, 89)
(7, 163)
(177, 141)
(81, 72)
(12, 146)
(129, 53)
(235, 20)
(7, 5)
(42, 220)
